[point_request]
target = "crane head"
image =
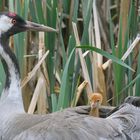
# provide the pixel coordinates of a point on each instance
(95, 100)
(11, 23)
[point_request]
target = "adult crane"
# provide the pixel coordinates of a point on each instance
(68, 124)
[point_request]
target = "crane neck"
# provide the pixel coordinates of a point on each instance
(12, 87)
(94, 112)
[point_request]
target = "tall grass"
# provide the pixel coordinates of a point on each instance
(63, 68)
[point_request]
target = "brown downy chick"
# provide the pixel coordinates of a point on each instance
(95, 100)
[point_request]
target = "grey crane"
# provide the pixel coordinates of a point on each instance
(130, 100)
(68, 124)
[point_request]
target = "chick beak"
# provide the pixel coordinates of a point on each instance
(93, 105)
(38, 27)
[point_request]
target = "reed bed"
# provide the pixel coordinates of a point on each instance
(96, 49)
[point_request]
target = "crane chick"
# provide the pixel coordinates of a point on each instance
(95, 100)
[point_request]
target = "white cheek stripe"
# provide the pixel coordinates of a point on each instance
(5, 23)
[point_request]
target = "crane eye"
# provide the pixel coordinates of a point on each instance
(98, 100)
(13, 21)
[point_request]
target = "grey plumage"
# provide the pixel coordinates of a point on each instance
(74, 124)
(134, 100)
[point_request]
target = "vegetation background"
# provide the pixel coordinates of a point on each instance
(55, 73)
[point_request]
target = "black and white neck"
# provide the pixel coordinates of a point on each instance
(10, 24)
(12, 90)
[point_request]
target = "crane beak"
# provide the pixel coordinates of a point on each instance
(95, 105)
(38, 27)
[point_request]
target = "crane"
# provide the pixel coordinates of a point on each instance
(68, 124)
(95, 100)
(134, 100)
(10, 24)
